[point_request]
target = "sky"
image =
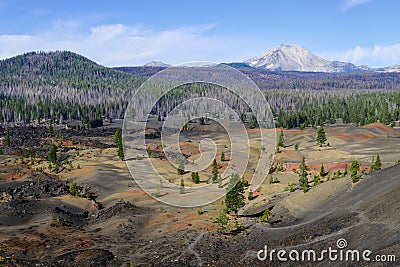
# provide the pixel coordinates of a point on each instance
(129, 33)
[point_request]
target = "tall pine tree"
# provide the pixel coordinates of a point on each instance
(214, 177)
(321, 136)
(235, 198)
(303, 180)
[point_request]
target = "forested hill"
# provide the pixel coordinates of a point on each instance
(267, 79)
(61, 85)
(63, 68)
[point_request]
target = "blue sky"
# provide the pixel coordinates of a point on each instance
(116, 33)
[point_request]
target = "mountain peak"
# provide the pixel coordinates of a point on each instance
(296, 58)
(157, 64)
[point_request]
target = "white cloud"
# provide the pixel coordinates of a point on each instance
(117, 44)
(377, 56)
(347, 4)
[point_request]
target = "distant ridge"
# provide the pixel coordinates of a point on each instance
(157, 64)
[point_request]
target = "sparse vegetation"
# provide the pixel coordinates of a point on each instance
(200, 211)
(195, 177)
(181, 167)
(182, 187)
(222, 221)
(73, 189)
(267, 214)
(149, 151)
(292, 187)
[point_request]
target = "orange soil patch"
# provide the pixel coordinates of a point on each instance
(358, 137)
(189, 148)
(380, 126)
(84, 171)
(192, 220)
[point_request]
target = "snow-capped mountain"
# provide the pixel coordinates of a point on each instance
(393, 68)
(157, 64)
(296, 58)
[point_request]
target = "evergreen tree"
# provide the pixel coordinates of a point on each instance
(321, 137)
(214, 177)
(253, 122)
(317, 180)
(222, 156)
(8, 142)
(222, 221)
(51, 128)
(243, 117)
(202, 121)
(354, 168)
(378, 163)
(73, 189)
(182, 187)
(195, 177)
(235, 198)
(322, 171)
(372, 167)
(53, 154)
(149, 151)
(120, 146)
(281, 140)
(117, 135)
(303, 180)
(251, 195)
(181, 166)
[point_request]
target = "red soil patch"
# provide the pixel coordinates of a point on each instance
(66, 143)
